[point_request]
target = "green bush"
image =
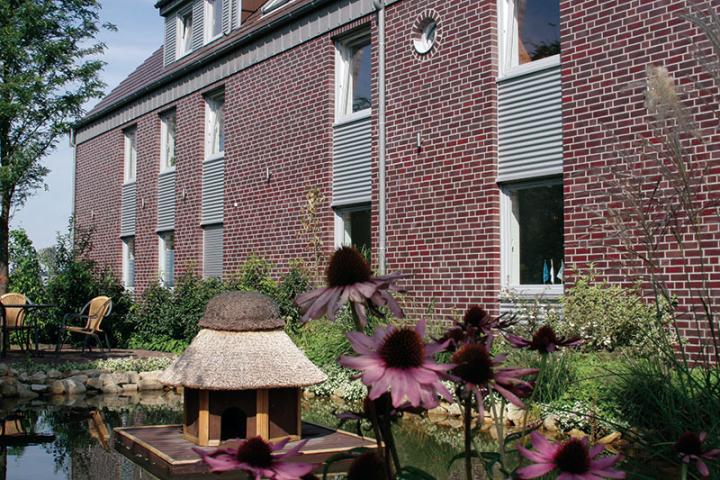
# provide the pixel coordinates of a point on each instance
(25, 271)
(609, 317)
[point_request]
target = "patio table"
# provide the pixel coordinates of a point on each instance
(27, 307)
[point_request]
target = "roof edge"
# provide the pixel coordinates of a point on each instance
(202, 61)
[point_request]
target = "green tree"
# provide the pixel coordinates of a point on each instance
(25, 271)
(49, 68)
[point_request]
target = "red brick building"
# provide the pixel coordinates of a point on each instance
(463, 142)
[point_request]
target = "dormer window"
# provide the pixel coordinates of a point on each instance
(529, 32)
(213, 19)
(184, 34)
(273, 5)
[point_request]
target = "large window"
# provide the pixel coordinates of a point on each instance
(184, 34)
(166, 259)
(168, 131)
(532, 231)
(215, 126)
(353, 227)
(353, 75)
(529, 31)
(130, 154)
(129, 262)
(213, 19)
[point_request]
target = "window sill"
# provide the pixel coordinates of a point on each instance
(180, 55)
(353, 117)
(532, 67)
(217, 156)
(127, 183)
(549, 292)
(212, 39)
(167, 171)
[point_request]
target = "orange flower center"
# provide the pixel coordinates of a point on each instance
(573, 457)
(474, 364)
(347, 266)
(255, 452)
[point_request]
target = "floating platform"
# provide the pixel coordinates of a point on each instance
(164, 452)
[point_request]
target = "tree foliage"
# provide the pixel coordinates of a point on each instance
(49, 69)
(25, 271)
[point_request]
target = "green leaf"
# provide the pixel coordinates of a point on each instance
(412, 473)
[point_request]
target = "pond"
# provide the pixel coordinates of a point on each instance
(65, 439)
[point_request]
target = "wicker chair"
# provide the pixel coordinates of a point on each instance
(94, 312)
(15, 317)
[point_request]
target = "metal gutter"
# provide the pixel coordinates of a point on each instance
(382, 208)
(204, 60)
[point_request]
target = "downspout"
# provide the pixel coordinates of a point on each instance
(382, 209)
(73, 146)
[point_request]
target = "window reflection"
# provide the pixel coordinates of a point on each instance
(539, 29)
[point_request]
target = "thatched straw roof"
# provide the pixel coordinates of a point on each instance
(224, 360)
(241, 312)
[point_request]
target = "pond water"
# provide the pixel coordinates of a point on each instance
(63, 439)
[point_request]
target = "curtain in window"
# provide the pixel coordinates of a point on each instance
(218, 127)
(170, 126)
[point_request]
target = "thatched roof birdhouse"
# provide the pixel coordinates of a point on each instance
(242, 375)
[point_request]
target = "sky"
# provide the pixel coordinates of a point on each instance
(140, 32)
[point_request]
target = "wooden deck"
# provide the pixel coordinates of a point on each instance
(164, 452)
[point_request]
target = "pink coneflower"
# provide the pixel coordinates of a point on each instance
(399, 361)
(543, 341)
(477, 325)
(258, 458)
(479, 371)
(366, 467)
(349, 279)
(573, 460)
(690, 448)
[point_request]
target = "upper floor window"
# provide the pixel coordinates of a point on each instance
(184, 34)
(129, 262)
(215, 126)
(273, 5)
(353, 75)
(213, 19)
(130, 154)
(529, 31)
(168, 130)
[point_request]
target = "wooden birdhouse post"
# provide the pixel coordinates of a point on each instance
(242, 375)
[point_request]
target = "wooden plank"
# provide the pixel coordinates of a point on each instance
(262, 418)
(204, 419)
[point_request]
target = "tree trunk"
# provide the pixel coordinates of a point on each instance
(4, 245)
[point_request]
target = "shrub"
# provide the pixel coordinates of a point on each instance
(25, 271)
(608, 317)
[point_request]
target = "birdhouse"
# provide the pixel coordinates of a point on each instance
(242, 376)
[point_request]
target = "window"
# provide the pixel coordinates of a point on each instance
(130, 155)
(273, 5)
(532, 232)
(529, 31)
(425, 36)
(353, 227)
(129, 262)
(213, 19)
(215, 127)
(166, 259)
(184, 34)
(168, 127)
(353, 76)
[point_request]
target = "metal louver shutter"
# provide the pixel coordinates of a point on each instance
(166, 202)
(227, 15)
(213, 191)
(352, 154)
(127, 210)
(170, 39)
(213, 251)
(198, 32)
(530, 125)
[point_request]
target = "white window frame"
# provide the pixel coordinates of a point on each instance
(162, 259)
(130, 156)
(183, 48)
(510, 237)
(343, 78)
(214, 104)
(126, 263)
(165, 140)
(342, 236)
(211, 7)
(508, 46)
(273, 5)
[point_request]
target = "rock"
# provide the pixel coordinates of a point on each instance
(307, 394)
(437, 414)
(576, 433)
(72, 373)
(152, 375)
(39, 388)
(514, 414)
(133, 377)
(9, 390)
(129, 387)
(107, 378)
(38, 377)
(23, 377)
(24, 392)
(4, 369)
(150, 384)
(57, 387)
(80, 379)
(608, 439)
(72, 387)
(94, 384)
(454, 410)
(551, 423)
(120, 378)
(54, 374)
(110, 388)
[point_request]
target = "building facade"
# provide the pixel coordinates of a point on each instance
(468, 143)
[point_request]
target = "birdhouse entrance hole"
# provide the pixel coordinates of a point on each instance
(233, 424)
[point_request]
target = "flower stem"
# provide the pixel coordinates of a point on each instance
(374, 419)
(356, 319)
(390, 447)
(499, 426)
(468, 434)
(684, 472)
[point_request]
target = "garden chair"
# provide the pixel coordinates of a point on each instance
(15, 317)
(94, 312)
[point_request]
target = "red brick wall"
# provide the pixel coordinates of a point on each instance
(606, 49)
